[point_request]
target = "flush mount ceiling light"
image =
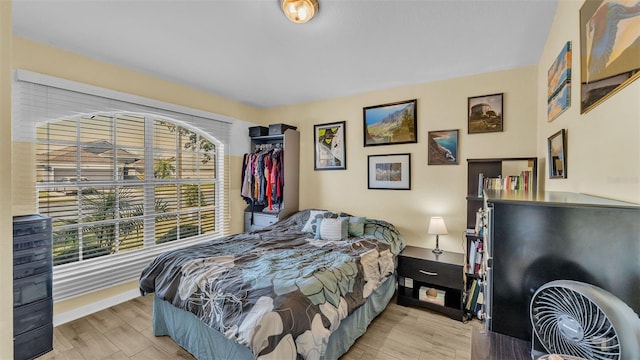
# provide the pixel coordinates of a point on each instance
(299, 11)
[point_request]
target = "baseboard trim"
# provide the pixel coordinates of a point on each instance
(95, 307)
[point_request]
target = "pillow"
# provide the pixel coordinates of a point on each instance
(310, 225)
(356, 226)
(332, 229)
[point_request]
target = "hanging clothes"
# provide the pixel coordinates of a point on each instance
(262, 179)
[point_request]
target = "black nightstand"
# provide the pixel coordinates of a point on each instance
(420, 268)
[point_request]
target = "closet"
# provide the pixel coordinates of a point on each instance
(273, 164)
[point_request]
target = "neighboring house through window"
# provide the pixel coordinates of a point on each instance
(105, 197)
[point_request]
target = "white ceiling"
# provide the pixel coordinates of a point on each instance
(246, 50)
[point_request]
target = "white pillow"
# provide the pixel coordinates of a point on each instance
(332, 229)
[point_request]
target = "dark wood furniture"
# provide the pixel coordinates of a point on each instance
(420, 267)
(488, 345)
(555, 236)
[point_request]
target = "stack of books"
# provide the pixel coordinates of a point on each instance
(475, 297)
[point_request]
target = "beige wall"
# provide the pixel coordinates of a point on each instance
(6, 242)
(435, 189)
(603, 150)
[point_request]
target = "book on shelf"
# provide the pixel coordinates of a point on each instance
(521, 182)
(472, 296)
(478, 259)
(474, 256)
(431, 295)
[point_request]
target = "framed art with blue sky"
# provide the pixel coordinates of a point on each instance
(393, 123)
(443, 147)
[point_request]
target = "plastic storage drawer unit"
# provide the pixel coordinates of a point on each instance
(34, 343)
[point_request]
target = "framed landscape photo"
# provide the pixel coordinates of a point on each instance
(443, 147)
(390, 172)
(329, 146)
(557, 147)
(393, 123)
(559, 84)
(485, 113)
(609, 51)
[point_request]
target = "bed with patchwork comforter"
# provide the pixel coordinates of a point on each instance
(276, 293)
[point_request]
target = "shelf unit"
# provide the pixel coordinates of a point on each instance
(492, 168)
(290, 142)
(473, 273)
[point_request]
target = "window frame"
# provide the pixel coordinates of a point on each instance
(31, 105)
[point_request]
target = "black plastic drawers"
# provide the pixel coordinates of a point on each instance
(31, 289)
(34, 343)
(32, 316)
(32, 286)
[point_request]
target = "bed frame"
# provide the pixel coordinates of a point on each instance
(204, 342)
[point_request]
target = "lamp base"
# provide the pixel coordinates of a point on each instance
(437, 251)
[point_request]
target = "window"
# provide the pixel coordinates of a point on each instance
(123, 177)
(106, 198)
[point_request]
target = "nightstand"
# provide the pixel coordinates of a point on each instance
(420, 269)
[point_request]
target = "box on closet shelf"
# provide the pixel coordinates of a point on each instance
(278, 129)
(255, 131)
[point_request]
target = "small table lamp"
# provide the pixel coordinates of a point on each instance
(437, 227)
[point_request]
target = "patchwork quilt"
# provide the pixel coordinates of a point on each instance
(278, 291)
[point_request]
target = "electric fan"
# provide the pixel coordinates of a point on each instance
(579, 319)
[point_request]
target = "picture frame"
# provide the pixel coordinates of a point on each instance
(485, 113)
(389, 172)
(559, 84)
(443, 147)
(329, 148)
(606, 68)
(393, 123)
(557, 153)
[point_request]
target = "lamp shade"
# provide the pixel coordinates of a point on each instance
(437, 226)
(299, 11)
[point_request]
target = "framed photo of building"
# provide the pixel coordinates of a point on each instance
(485, 113)
(390, 172)
(329, 146)
(609, 51)
(443, 147)
(394, 123)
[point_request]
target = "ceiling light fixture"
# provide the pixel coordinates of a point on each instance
(299, 11)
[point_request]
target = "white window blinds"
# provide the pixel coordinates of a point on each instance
(123, 177)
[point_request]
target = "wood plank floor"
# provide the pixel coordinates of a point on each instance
(124, 332)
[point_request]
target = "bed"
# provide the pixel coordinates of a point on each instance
(303, 288)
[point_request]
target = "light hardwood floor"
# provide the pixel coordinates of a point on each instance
(124, 332)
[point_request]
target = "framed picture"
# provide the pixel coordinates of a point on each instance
(485, 113)
(559, 84)
(329, 146)
(388, 124)
(557, 155)
(609, 51)
(391, 172)
(443, 147)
